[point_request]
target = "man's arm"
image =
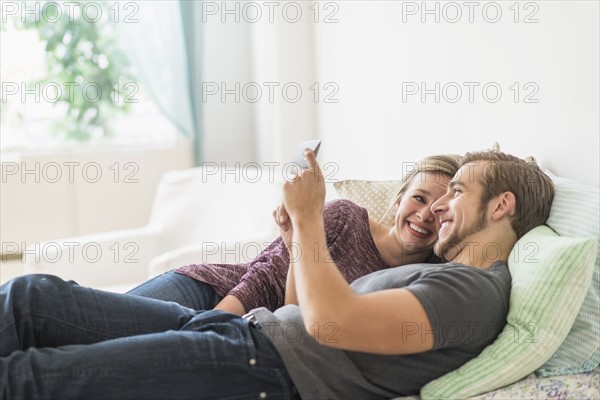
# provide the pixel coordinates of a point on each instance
(332, 313)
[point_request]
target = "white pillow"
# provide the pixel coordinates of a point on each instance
(575, 213)
(375, 196)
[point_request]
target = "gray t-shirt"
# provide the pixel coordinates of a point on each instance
(467, 310)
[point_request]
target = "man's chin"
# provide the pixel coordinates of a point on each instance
(442, 248)
(438, 249)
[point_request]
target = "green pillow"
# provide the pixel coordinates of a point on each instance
(550, 278)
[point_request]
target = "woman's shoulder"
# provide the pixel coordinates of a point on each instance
(342, 216)
(345, 212)
(343, 206)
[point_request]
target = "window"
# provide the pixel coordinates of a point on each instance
(66, 79)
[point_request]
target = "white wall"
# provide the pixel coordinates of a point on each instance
(370, 52)
(229, 133)
(268, 53)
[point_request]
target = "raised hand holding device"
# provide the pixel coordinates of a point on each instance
(314, 145)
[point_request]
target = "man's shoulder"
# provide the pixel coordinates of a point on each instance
(406, 275)
(497, 271)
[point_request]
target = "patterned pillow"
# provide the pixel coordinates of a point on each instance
(580, 386)
(575, 213)
(550, 278)
(375, 196)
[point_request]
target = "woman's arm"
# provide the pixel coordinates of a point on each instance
(231, 304)
(264, 282)
(290, 287)
(282, 219)
(376, 322)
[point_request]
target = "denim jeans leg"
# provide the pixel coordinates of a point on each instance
(172, 286)
(46, 311)
(214, 356)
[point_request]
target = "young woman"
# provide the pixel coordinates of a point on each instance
(358, 244)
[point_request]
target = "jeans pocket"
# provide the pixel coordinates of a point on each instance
(230, 335)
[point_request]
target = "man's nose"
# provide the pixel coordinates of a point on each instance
(440, 205)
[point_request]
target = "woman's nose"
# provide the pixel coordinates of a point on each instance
(426, 214)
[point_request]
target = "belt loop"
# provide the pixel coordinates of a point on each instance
(250, 317)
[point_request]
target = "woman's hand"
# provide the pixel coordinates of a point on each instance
(304, 196)
(282, 219)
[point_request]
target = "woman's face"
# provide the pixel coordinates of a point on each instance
(416, 225)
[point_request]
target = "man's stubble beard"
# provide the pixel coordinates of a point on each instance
(456, 238)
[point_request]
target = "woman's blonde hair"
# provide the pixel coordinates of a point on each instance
(446, 164)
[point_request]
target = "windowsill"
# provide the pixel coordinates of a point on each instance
(13, 153)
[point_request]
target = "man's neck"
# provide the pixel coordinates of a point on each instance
(468, 259)
(484, 252)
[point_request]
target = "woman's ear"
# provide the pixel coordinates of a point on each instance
(505, 204)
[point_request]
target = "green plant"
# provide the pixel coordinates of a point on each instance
(85, 62)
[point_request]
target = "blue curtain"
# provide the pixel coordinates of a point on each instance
(163, 44)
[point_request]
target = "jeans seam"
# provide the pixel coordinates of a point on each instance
(71, 325)
(115, 368)
(146, 282)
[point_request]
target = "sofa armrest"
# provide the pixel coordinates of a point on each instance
(232, 252)
(105, 259)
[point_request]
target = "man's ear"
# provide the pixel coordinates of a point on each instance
(504, 205)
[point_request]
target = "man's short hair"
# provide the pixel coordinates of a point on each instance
(533, 190)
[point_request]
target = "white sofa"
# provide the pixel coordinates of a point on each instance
(204, 214)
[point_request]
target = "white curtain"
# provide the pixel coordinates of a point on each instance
(160, 38)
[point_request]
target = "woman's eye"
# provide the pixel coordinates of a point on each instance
(419, 198)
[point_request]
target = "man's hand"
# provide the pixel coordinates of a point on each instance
(304, 196)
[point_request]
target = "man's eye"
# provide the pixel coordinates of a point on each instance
(457, 192)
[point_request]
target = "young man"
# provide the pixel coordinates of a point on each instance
(385, 335)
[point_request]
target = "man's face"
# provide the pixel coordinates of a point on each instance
(460, 211)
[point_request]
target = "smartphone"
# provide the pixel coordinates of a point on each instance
(314, 145)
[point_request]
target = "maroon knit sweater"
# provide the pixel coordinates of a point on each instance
(261, 282)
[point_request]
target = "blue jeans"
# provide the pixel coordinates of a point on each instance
(59, 340)
(179, 288)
